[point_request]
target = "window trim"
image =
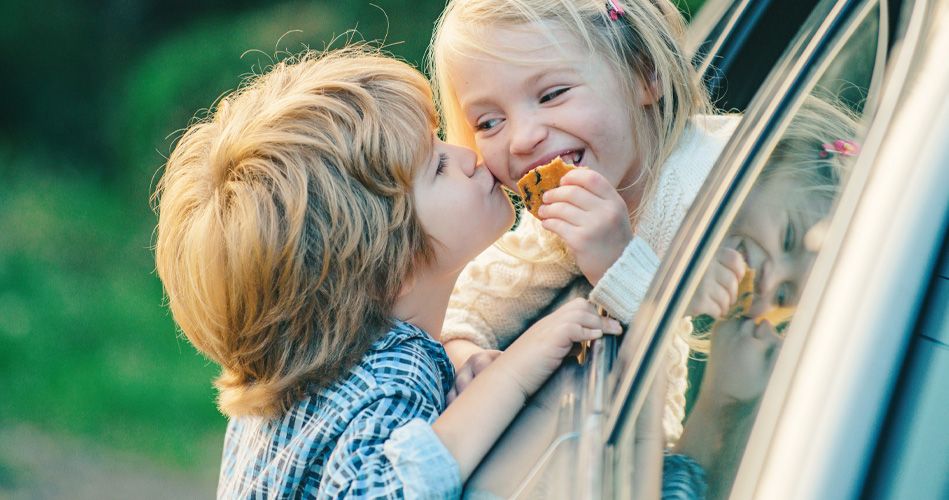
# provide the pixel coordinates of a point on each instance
(730, 180)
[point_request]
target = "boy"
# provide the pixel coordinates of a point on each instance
(310, 233)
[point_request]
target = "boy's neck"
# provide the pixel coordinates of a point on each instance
(426, 302)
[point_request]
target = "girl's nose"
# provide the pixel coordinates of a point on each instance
(770, 277)
(528, 133)
(767, 285)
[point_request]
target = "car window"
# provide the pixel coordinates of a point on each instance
(737, 301)
(735, 44)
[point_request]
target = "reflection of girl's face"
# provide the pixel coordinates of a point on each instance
(742, 357)
(769, 232)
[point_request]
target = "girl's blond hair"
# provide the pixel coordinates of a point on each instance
(287, 225)
(799, 157)
(644, 45)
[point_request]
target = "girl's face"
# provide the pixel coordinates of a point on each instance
(460, 205)
(524, 115)
(769, 233)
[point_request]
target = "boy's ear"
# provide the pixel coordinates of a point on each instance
(407, 287)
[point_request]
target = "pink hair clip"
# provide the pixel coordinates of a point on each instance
(614, 10)
(843, 148)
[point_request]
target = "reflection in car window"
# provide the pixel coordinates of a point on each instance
(735, 321)
(746, 297)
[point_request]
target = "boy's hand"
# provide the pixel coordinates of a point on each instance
(535, 355)
(475, 364)
(718, 289)
(591, 217)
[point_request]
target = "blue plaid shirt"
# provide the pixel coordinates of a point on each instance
(366, 436)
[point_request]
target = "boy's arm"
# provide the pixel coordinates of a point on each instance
(475, 420)
(388, 450)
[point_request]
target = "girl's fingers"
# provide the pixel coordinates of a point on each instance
(575, 195)
(732, 260)
(567, 212)
(710, 307)
(722, 299)
(592, 333)
(728, 284)
(561, 228)
(591, 181)
(584, 314)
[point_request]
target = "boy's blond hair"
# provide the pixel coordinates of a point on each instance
(287, 225)
(644, 45)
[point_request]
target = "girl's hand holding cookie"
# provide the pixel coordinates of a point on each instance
(718, 289)
(591, 217)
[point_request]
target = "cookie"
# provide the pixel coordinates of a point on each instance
(746, 295)
(776, 316)
(540, 180)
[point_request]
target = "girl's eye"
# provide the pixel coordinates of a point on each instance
(487, 124)
(442, 163)
(553, 95)
(789, 238)
(782, 297)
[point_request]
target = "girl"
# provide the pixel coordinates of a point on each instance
(606, 86)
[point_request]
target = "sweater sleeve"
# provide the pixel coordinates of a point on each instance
(507, 286)
(623, 286)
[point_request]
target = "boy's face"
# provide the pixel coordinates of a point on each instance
(769, 233)
(525, 115)
(462, 206)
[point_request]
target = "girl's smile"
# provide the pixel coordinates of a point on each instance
(542, 101)
(769, 234)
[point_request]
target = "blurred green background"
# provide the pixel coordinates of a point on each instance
(94, 94)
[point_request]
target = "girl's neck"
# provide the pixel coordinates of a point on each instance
(632, 193)
(425, 301)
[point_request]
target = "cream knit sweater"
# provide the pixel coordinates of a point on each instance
(499, 295)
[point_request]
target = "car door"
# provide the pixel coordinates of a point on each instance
(858, 410)
(795, 449)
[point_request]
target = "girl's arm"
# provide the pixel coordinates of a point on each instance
(503, 289)
(475, 420)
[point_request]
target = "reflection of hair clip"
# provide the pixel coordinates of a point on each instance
(613, 9)
(843, 148)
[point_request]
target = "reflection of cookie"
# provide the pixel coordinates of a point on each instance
(746, 295)
(540, 180)
(776, 316)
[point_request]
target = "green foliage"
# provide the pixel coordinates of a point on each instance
(86, 345)
(190, 70)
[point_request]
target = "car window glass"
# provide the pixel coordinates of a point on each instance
(745, 297)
